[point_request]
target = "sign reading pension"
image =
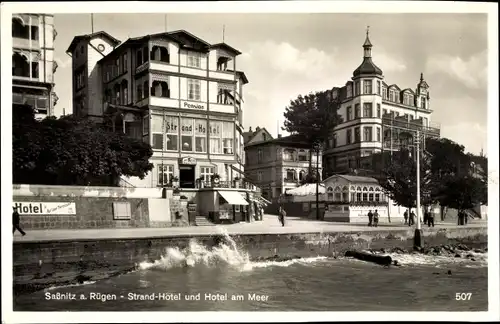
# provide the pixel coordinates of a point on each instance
(193, 105)
(45, 208)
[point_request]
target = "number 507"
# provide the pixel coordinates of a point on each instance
(463, 296)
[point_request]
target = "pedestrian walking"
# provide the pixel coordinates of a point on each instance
(16, 222)
(370, 218)
(405, 215)
(281, 216)
(375, 218)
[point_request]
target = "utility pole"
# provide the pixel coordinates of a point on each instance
(317, 147)
(417, 239)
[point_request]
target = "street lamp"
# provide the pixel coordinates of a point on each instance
(417, 239)
(317, 147)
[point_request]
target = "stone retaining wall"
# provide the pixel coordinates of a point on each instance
(41, 264)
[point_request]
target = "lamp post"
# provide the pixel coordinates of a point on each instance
(417, 239)
(317, 147)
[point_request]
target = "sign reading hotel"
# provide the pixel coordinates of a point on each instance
(193, 105)
(45, 208)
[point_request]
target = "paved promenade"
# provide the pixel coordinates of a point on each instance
(269, 225)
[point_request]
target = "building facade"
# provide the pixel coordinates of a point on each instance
(173, 90)
(375, 116)
(33, 64)
(276, 165)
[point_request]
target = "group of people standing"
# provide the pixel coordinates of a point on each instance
(373, 218)
(410, 218)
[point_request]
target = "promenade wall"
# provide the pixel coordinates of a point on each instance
(46, 263)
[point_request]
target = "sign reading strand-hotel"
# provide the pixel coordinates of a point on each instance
(45, 208)
(193, 105)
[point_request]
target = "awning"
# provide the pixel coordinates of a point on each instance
(233, 198)
(264, 200)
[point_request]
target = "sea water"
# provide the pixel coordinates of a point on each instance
(224, 278)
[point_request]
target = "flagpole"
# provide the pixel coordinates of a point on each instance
(92, 22)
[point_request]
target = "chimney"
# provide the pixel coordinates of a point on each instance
(257, 128)
(250, 129)
(279, 135)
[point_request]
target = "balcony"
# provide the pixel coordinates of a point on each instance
(222, 75)
(235, 184)
(218, 107)
(164, 102)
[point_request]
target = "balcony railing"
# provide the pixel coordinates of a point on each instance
(358, 203)
(242, 184)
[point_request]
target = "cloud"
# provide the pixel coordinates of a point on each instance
(472, 73)
(389, 63)
(472, 136)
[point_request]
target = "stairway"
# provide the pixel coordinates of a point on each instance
(203, 221)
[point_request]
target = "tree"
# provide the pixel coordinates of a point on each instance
(398, 177)
(313, 117)
(73, 151)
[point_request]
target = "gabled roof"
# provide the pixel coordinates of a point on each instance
(395, 86)
(410, 90)
(385, 84)
(250, 135)
(79, 38)
(295, 141)
(354, 179)
(226, 47)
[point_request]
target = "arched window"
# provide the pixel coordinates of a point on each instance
(365, 194)
(303, 155)
(330, 193)
(20, 65)
(139, 92)
(302, 175)
(164, 55)
(116, 93)
(19, 29)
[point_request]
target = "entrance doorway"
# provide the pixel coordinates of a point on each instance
(186, 176)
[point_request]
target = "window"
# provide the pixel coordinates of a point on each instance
(121, 210)
(424, 106)
(34, 32)
(139, 92)
(367, 87)
(145, 89)
(165, 174)
(349, 113)
(187, 134)
(215, 137)
(125, 92)
(357, 135)
(377, 197)
(358, 196)
(259, 176)
(406, 100)
(206, 173)
(334, 140)
(290, 175)
(259, 156)
(125, 62)
(20, 65)
(172, 131)
(378, 110)
(288, 155)
(302, 175)
(194, 89)
(200, 135)
(349, 136)
(379, 86)
(145, 125)
(356, 88)
(160, 89)
(227, 137)
(367, 109)
(396, 97)
(302, 155)
(194, 60)
(349, 91)
(370, 197)
(157, 130)
(378, 134)
(391, 95)
(357, 111)
(384, 93)
(426, 122)
(367, 136)
(19, 30)
(139, 59)
(34, 70)
(385, 111)
(411, 101)
(118, 66)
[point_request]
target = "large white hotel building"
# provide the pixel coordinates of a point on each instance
(173, 90)
(375, 116)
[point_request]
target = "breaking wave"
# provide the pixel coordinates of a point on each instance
(226, 253)
(468, 259)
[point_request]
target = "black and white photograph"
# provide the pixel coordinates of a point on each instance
(250, 161)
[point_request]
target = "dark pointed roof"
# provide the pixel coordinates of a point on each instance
(367, 67)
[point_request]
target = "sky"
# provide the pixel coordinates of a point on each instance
(285, 55)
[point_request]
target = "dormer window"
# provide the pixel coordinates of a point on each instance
(411, 101)
(349, 91)
(384, 93)
(424, 103)
(391, 95)
(406, 99)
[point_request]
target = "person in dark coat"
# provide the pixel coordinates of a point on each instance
(430, 218)
(370, 218)
(412, 219)
(16, 222)
(281, 216)
(405, 215)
